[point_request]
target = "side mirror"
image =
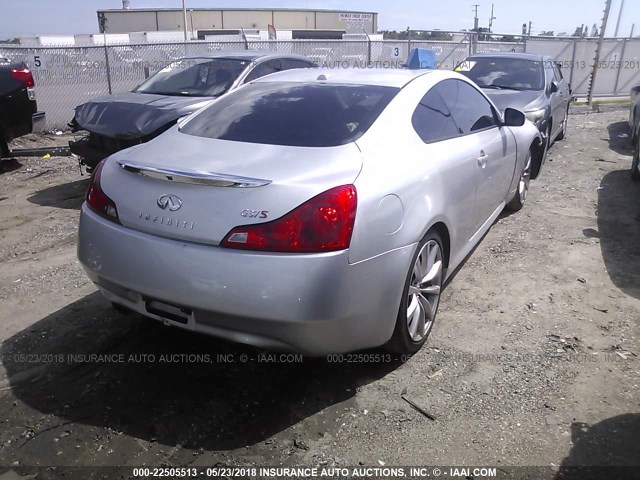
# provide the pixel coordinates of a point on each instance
(554, 87)
(513, 117)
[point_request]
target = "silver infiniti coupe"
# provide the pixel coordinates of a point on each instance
(318, 211)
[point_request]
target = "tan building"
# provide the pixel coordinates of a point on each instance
(147, 19)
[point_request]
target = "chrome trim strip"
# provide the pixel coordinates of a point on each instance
(193, 177)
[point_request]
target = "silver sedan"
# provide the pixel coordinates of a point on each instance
(318, 211)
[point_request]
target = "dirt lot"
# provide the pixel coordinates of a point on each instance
(534, 359)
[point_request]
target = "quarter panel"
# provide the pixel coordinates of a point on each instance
(434, 182)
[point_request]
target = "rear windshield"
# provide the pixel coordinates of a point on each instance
(504, 73)
(298, 115)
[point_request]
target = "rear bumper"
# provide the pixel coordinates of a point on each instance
(90, 156)
(314, 303)
(38, 122)
(24, 123)
(93, 148)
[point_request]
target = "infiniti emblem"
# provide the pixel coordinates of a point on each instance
(169, 202)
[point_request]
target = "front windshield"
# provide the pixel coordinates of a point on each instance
(504, 73)
(195, 77)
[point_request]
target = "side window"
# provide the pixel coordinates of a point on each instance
(264, 68)
(557, 73)
(550, 75)
(290, 63)
(432, 120)
(469, 109)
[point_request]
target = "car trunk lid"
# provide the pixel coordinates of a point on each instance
(198, 189)
(133, 115)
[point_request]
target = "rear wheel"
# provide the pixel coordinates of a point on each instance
(517, 202)
(421, 296)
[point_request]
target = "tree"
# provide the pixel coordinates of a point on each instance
(546, 33)
(594, 30)
(416, 35)
(393, 35)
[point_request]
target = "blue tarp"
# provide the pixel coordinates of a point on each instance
(422, 58)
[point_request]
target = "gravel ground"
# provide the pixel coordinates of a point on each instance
(534, 360)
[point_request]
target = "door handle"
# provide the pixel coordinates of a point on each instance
(482, 159)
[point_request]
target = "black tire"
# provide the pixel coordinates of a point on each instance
(518, 200)
(563, 133)
(401, 340)
(540, 155)
(635, 174)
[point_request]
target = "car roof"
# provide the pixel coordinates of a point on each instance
(250, 55)
(516, 55)
(385, 77)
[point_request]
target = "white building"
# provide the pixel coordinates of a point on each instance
(210, 19)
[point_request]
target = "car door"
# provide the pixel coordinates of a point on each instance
(489, 147)
(555, 97)
(563, 96)
(453, 153)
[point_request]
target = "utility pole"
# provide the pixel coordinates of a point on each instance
(529, 32)
(184, 14)
(596, 61)
(491, 19)
(619, 17)
(475, 28)
(475, 16)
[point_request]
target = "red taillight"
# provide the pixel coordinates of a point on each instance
(97, 200)
(322, 224)
(24, 76)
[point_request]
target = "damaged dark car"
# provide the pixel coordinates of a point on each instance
(533, 84)
(115, 122)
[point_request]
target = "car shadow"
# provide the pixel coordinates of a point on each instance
(166, 385)
(9, 165)
(608, 449)
(619, 230)
(619, 138)
(67, 196)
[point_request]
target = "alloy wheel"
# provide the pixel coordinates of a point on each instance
(525, 179)
(424, 290)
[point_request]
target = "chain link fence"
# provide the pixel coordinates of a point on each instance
(68, 76)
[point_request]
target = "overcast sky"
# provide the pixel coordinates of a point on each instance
(40, 17)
